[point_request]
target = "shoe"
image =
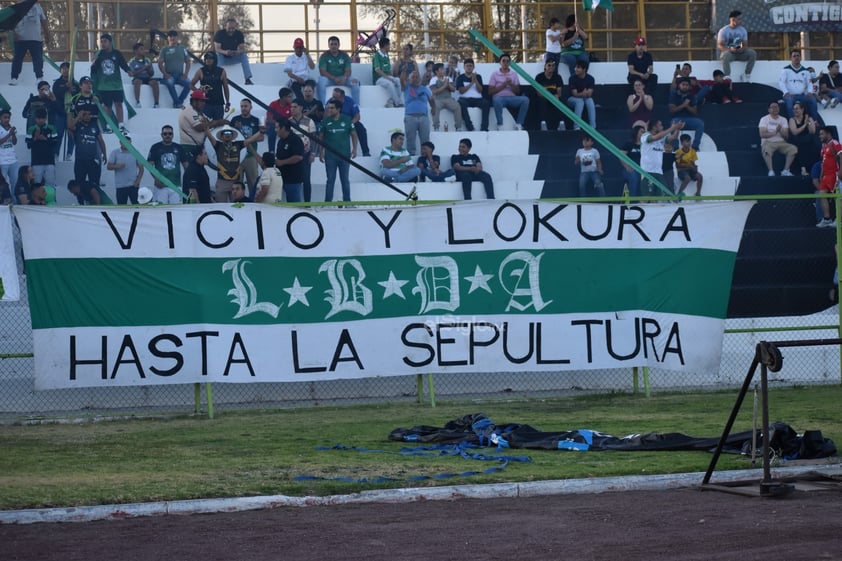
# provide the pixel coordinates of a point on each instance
(390, 104)
(123, 129)
(68, 158)
(435, 127)
(518, 127)
(771, 173)
(834, 103)
(137, 105)
(786, 173)
(249, 82)
(737, 100)
(726, 79)
(746, 78)
(725, 100)
(13, 82)
(826, 223)
(543, 125)
(156, 106)
(450, 179)
(561, 126)
(577, 128)
(824, 104)
(107, 130)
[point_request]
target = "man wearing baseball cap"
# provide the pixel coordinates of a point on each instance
(641, 66)
(192, 123)
(298, 66)
(108, 78)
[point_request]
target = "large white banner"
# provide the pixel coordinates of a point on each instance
(201, 293)
(9, 284)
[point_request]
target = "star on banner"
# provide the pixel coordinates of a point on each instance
(479, 280)
(298, 293)
(393, 286)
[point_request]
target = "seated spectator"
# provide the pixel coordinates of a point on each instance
(550, 115)
(88, 193)
(590, 168)
(270, 186)
(641, 66)
(831, 173)
(452, 68)
(685, 164)
(682, 107)
(428, 74)
(335, 70)
(640, 105)
(5, 192)
(553, 34)
(504, 89)
(416, 117)
(581, 94)
(381, 74)
(794, 83)
(430, 165)
(290, 161)
(351, 110)
(732, 41)
(142, 72)
(174, 64)
(41, 139)
(697, 90)
(774, 130)
(298, 66)
(632, 150)
(469, 85)
(830, 85)
(573, 44)
(238, 193)
(23, 185)
(230, 46)
(721, 91)
(443, 89)
(213, 82)
(396, 161)
(468, 168)
(802, 133)
(43, 195)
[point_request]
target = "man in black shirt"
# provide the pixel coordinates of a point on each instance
(196, 183)
(90, 147)
(290, 160)
(230, 47)
(550, 116)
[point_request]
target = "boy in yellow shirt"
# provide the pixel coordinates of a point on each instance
(685, 164)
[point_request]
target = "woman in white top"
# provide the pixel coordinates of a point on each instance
(554, 42)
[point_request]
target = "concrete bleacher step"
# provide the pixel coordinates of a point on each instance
(795, 299)
(788, 241)
(781, 268)
(762, 185)
(781, 214)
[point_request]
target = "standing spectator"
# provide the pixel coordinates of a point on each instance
(640, 105)
(396, 161)
(381, 74)
(230, 48)
(632, 150)
(641, 66)
(504, 89)
(23, 185)
(85, 99)
(429, 165)
(553, 36)
(214, 82)
(802, 133)
(682, 107)
(169, 158)
(685, 164)
(468, 168)
(127, 173)
(732, 41)
(61, 87)
(652, 152)
(174, 64)
(338, 133)
(279, 109)
(90, 147)
(795, 84)
(335, 70)
(452, 69)
(469, 85)
(298, 66)
(581, 94)
(443, 89)
(8, 139)
(270, 186)
(27, 37)
(192, 123)
(142, 72)
(289, 159)
(196, 183)
(228, 161)
(830, 85)
(308, 126)
(721, 90)
(831, 172)
(108, 80)
(41, 139)
(668, 163)
(590, 168)
(550, 116)
(416, 118)
(774, 130)
(351, 110)
(249, 125)
(406, 65)
(44, 99)
(310, 106)
(88, 193)
(573, 44)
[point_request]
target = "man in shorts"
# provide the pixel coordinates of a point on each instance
(108, 81)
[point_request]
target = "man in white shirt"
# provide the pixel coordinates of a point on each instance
(774, 130)
(395, 161)
(553, 42)
(298, 66)
(795, 84)
(469, 86)
(652, 151)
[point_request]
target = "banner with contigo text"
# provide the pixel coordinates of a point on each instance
(9, 283)
(256, 293)
(780, 15)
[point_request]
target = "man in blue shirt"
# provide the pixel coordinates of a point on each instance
(351, 110)
(416, 117)
(683, 107)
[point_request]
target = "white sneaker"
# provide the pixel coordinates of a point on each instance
(543, 125)
(786, 173)
(518, 127)
(824, 104)
(137, 105)
(450, 178)
(771, 173)
(834, 103)
(13, 82)
(123, 129)
(747, 78)
(826, 223)
(561, 126)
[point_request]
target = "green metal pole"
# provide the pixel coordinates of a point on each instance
(431, 388)
(209, 394)
(197, 397)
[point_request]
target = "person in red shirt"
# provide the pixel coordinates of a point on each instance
(831, 172)
(281, 106)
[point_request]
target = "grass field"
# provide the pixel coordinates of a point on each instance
(262, 452)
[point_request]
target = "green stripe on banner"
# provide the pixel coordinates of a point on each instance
(275, 290)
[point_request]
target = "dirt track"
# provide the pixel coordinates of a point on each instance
(629, 526)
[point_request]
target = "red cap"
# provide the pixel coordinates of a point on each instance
(640, 41)
(198, 94)
(298, 42)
